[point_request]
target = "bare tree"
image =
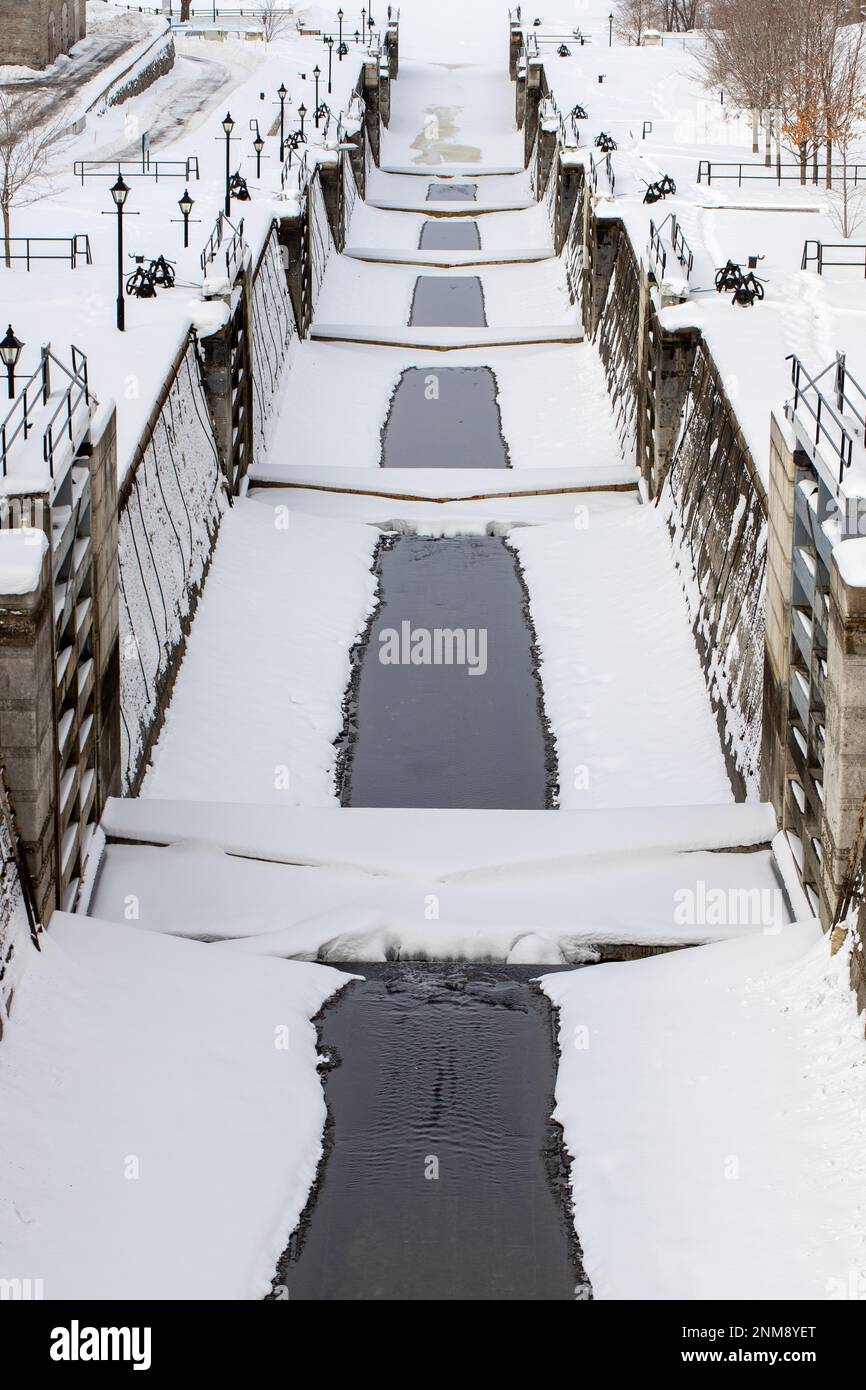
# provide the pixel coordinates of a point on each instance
(847, 198)
(272, 19)
(28, 130)
(634, 17)
(747, 55)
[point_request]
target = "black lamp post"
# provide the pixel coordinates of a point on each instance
(228, 127)
(340, 43)
(610, 30)
(330, 43)
(302, 111)
(10, 351)
(258, 146)
(186, 204)
(363, 23)
(282, 94)
(370, 20)
(317, 72)
(120, 193)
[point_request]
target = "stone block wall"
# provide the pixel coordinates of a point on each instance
(34, 33)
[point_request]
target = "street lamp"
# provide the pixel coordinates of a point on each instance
(363, 23)
(317, 72)
(228, 127)
(370, 20)
(340, 44)
(258, 146)
(610, 30)
(282, 93)
(302, 111)
(330, 43)
(185, 204)
(120, 193)
(10, 351)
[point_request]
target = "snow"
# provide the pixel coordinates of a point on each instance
(494, 913)
(286, 597)
(162, 1115)
(850, 557)
(22, 551)
(623, 687)
(723, 1157)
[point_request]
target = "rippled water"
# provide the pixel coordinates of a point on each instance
(444, 1177)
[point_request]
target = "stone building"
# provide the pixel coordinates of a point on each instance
(33, 33)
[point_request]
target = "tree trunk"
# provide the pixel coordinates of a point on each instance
(768, 138)
(829, 163)
(185, 7)
(754, 130)
(803, 155)
(7, 236)
(815, 164)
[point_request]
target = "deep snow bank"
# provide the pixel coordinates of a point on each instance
(722, 1155)
(162, 1115)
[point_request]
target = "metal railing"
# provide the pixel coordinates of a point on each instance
(817, 254)
(234, 247)
(826, 422)
(679, 245)
(35, 396)
(148, 168)
(710, 169)
(75, 248)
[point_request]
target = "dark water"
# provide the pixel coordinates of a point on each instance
(441, 234)
(452, 192)
(444, 417)
(440, 735)
(448, 301)
(450, 1066)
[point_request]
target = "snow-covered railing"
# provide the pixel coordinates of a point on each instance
(617, 339)
(18, 917)
(657, 251)
(234, 249)
(321, 240)
(66, 423)
(274, 329)
(716, 512)
(169, 512)
(825, 426)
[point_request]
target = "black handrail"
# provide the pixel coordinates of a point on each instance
(716, 169)
(134, 169)
(77, 247)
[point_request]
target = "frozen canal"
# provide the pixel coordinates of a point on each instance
(444, 1177)
(446, 709)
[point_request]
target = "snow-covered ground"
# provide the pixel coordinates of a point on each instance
(162, 1115)
(257, 704)
(722, 1155)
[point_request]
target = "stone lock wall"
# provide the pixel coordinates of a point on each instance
(34, 32)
